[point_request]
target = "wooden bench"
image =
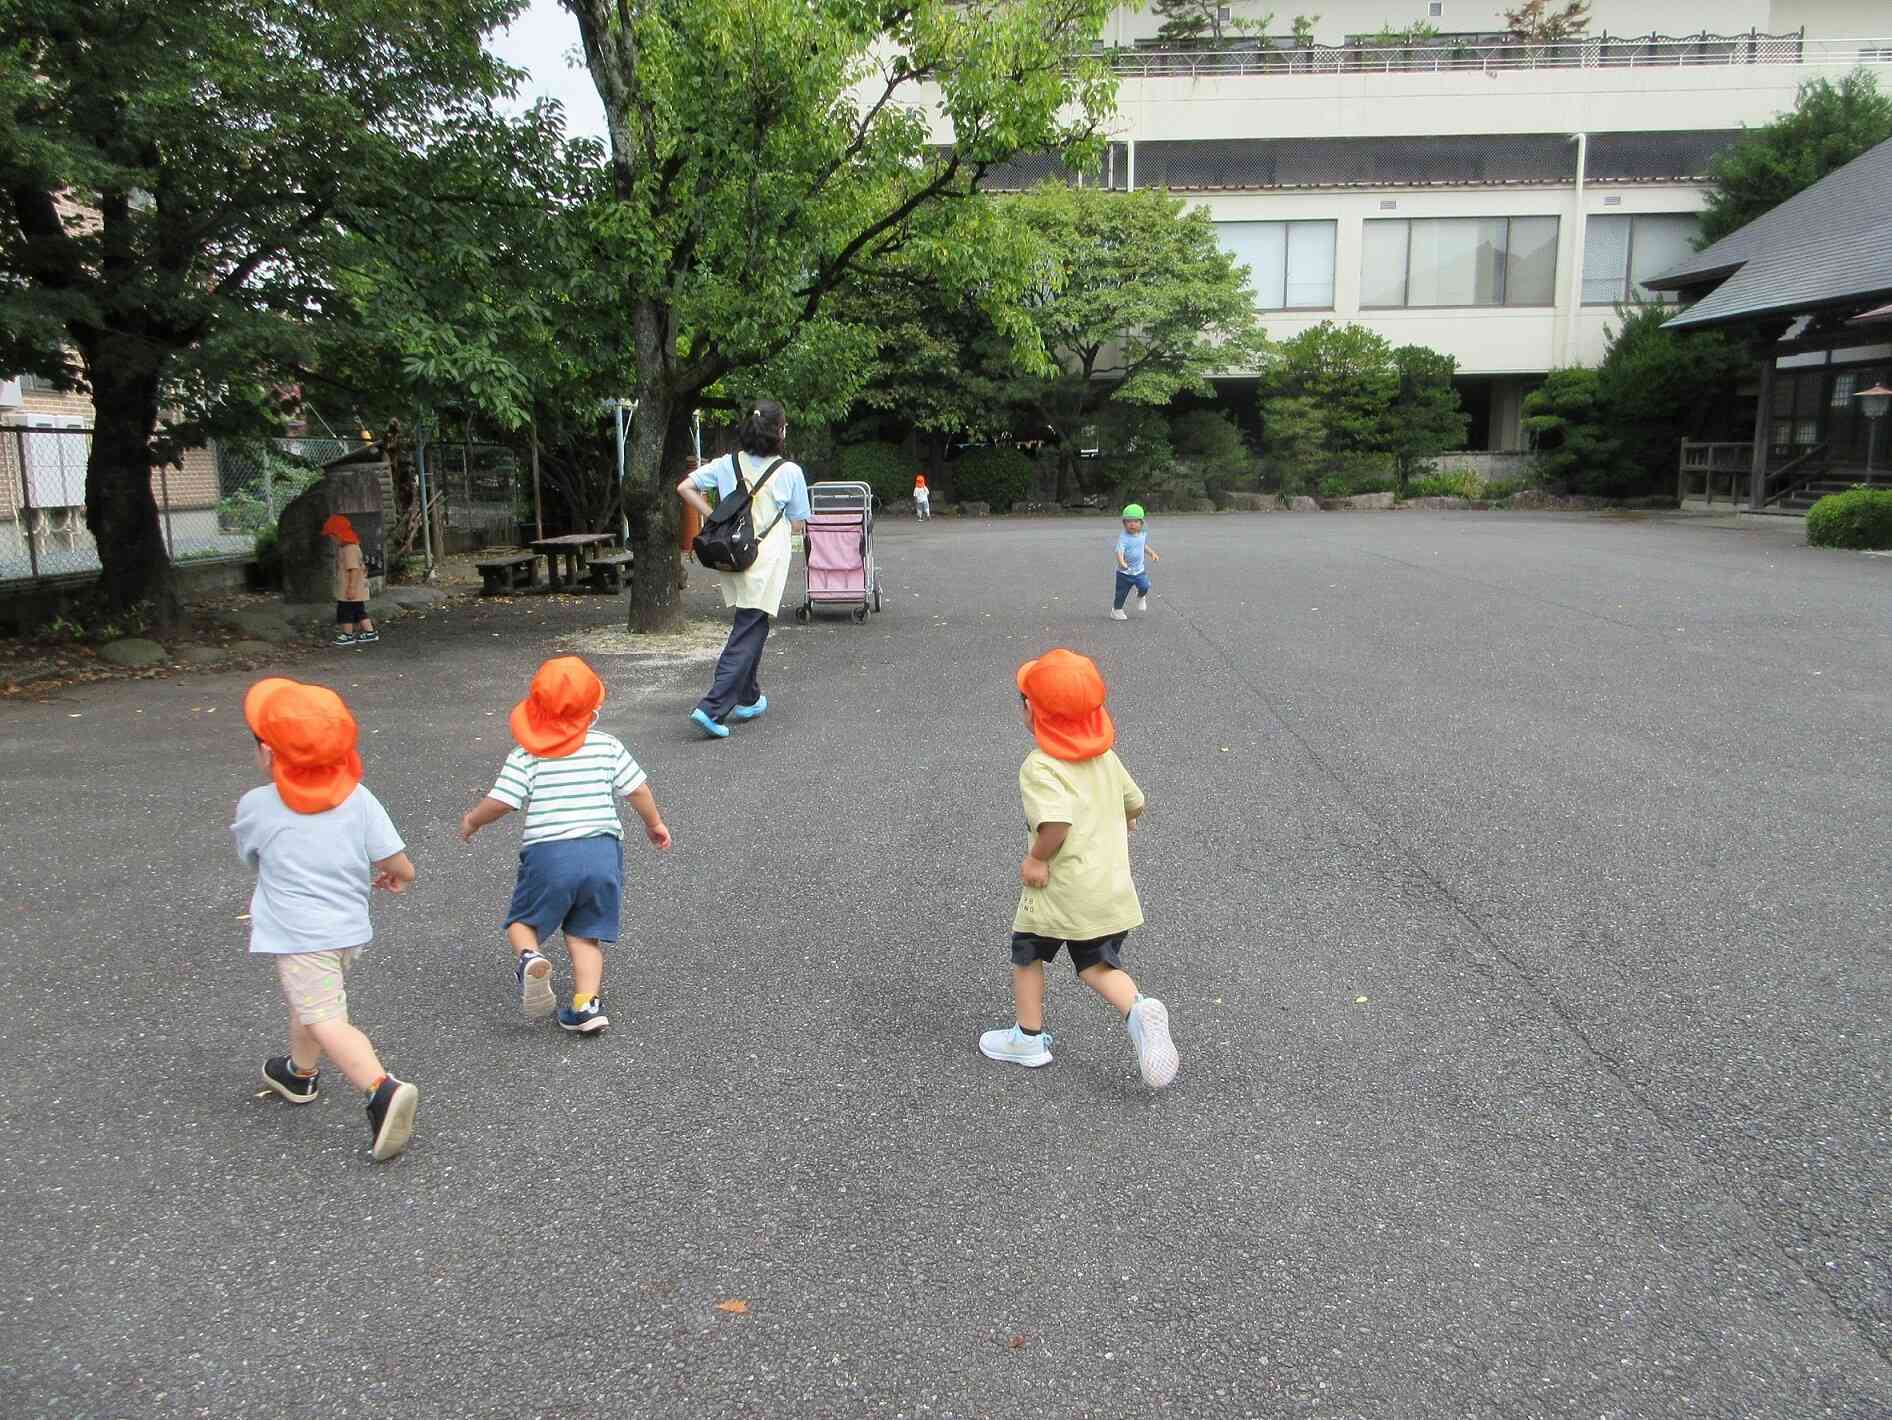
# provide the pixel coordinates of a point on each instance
(608, 572)
(508, 574)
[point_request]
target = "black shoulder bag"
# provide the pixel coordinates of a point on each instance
(729, 542)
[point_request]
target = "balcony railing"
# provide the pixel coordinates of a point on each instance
(1152, 59)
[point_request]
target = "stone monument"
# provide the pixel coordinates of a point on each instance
(350, 486)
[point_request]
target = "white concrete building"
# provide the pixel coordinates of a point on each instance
(1489, 199)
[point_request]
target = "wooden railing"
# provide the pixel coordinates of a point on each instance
(1796, 473)
(1705, 468)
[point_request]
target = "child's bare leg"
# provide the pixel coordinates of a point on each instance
(1028, 995)
(350, 1050)
(587, 965)
(305, 1053)
(1113, 984)
(522, 937)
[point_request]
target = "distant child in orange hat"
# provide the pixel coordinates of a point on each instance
(922, 498)
(319, 841)
(351, 584)
(1080, 805)
(567, 777)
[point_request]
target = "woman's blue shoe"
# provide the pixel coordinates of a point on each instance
(709, 726)
(750, 712)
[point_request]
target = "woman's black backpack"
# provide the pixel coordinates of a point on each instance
(729, 542)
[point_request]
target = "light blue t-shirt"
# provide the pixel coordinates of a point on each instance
(1130, 546)
(787, 483)
(313, 873)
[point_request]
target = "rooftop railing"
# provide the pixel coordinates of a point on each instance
(1271, 55)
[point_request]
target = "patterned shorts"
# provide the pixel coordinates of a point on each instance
(312, 984)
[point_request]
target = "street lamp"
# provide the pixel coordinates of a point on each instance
(1873, 403)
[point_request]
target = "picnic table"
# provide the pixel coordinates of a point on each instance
(576, 548)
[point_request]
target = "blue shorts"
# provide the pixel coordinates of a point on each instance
(574, 884)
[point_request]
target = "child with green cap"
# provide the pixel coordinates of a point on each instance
(1132, 548)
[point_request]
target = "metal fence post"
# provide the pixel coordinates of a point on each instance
(164, 490)
(26, 506)
(269, 484)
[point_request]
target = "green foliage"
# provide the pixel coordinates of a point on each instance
(1657, 387)
(1135, 301)
(225, 149)
(1138, 460)
(90, 620)
(1427, 416)
(885, 466)
(997, 474)
(1210, 444)
(1416, 33)
(1565, 419)
(1195, 19)
(1829, 126)
(1343, 412)
(1462, 484)
(1858, 518)
(1538, 22)
(275, 478)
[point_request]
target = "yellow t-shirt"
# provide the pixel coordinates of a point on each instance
(351, 573)
(1090, 894)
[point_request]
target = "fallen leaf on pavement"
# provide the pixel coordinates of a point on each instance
(735, 1305)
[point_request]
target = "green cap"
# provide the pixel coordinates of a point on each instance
(1133, 510)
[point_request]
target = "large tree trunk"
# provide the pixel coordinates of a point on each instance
(119, 507)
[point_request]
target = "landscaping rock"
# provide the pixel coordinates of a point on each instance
(1038, 509)
(133, 651)
(1439, 504)
(263, 624)
(199, 655)
(307, 615)
(251, 648)
(1370, 502)
(384, 609)
(413, 597)
(1303, 504)
(1250, 502)
(974, 510)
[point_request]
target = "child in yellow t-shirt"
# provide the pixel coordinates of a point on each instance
(1080, 804)
(352, 626)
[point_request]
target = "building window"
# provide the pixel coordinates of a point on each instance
(1436, 8)
(1620, 253)
(1290, 264)
(1459, 261)
(1844, 385)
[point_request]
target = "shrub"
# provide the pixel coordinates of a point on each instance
(1210, 444)
(882, 466)
(1501, 488)
(1860, 517)
(995, 475)
(1358, 473)
(1462, 484)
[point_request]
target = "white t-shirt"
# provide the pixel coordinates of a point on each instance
(312, 870)
(920, 495)
(573, 797)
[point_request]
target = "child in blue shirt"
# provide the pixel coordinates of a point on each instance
(1132, 548)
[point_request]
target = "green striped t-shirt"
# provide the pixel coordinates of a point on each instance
(573, 797)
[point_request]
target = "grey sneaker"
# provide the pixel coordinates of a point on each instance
(534, 975)
(1014, 1045)
(1117, 613)
(1143, 603)
(1148, 1024)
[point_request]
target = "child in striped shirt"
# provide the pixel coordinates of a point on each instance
(567, 777)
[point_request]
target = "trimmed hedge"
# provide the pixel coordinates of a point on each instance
(881, 465)
(1859, 518)
(994, 475)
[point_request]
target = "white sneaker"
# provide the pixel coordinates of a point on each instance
(1143, 603)
(1014, 1045)
(1148, 1024)
(1117, 614)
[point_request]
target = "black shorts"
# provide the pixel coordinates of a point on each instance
(1028, 947)
(348, 613)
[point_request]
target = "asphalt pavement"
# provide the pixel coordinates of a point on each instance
(1517, 885)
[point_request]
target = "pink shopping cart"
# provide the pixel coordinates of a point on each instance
(840, 550)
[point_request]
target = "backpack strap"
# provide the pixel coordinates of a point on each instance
(781, 510)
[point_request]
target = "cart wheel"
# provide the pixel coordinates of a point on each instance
(801, 613)
(860, 613)
(876, 596)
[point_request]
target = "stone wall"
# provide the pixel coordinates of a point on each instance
(308, 558)
(1488, 465)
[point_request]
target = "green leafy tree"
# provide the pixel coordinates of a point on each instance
(173, 178)
(1567, 424)
(1543, 22)
(1208, 442)
(1137, 303)
(1426, 416)
(1658, 387)
(1324, 402)
(1829, 125)
(1193, 19)
(762, 154)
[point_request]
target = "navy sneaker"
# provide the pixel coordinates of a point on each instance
(279, 1073)
(363, 638)
(391, 1117)
(534, 975)
(592, 1018)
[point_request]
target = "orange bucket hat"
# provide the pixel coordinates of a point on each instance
(552, 720)
(312, 738)
(339, 528)
(1066, 693)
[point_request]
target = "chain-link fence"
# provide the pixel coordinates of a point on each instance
(477, 487)
(212, 504)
